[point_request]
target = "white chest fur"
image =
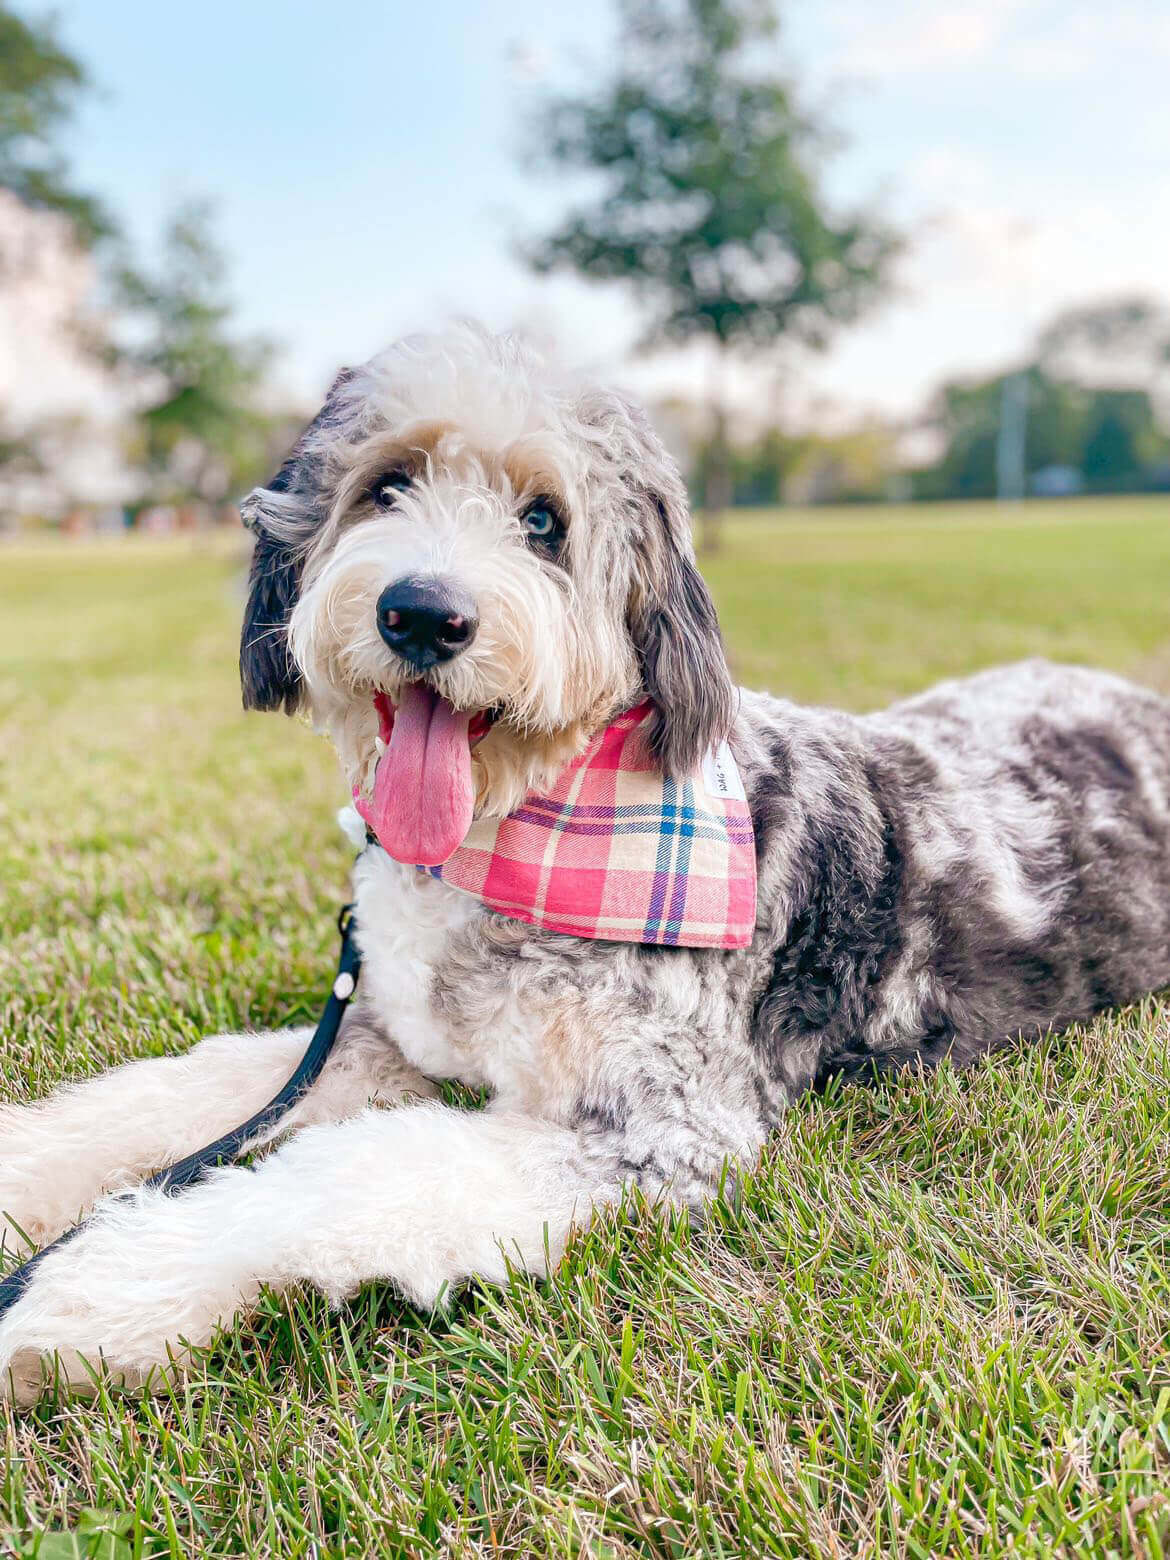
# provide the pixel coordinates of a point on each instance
(409, 923)
(406, 922)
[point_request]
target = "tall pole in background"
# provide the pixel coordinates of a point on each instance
(1011, 445)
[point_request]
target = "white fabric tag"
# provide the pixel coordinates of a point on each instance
(721, 774)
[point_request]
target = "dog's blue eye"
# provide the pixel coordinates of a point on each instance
(544, 525)
(388, 486)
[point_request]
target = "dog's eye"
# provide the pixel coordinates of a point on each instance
(386, 489)
(544, 526)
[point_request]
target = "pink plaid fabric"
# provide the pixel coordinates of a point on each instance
(618, 852)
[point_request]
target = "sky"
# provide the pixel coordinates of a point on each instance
(364, 163)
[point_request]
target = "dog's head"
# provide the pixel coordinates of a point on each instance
(469, 565)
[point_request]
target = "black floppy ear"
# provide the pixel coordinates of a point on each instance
(675, 630)
(268, 675)
(283, 515)
(671, 617)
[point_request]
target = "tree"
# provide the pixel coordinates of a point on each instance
(966, 415)
(37, 470)
(711, 206)
(1121, 439)
(40, 83)
(1116, 339)
(201, 432)
(1089, 398)
(1119, 349)
(20, 458)
(1110, 436)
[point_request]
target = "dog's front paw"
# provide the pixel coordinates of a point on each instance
(127, 1300)
(56, 1339)
(25, 1214)
(48, 1342)
(30, 1373)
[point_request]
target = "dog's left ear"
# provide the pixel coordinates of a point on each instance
(675, 630)
(672, 619)
(284, 515)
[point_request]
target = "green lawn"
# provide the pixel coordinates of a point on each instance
(935, 1322)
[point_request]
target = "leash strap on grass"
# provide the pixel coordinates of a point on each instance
(195, 1168)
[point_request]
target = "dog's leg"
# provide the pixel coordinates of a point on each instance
(423, 1197)
(59, 1156)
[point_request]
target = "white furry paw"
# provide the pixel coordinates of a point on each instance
(29, 1374)
(53, 1340)
(47, 1344)
(126, 1301)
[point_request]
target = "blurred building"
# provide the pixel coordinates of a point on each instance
(61, 413)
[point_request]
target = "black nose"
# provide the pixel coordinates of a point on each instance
(426, 621)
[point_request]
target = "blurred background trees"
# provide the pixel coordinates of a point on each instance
(695, 177)
(706, 198)
(40, 83)
(712, 207)
(1095, 397)
(199, 428)
(1091, 423)
(195, 422)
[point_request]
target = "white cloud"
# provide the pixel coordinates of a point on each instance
(1037, 39)
(982, 285)
(911, 37)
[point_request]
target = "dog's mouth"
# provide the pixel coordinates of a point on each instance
(424, 796)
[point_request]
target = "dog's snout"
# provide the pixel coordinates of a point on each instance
(426, 621)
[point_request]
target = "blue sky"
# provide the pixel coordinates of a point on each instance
(362, 157)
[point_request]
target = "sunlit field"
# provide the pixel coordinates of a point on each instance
(934, 1322)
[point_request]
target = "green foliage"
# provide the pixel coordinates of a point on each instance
(966, 414)
(1110, 436)
(40, 83)
(99, 1535)
(200, 432)
(932, 1323)
(712, 206)
(780, 467)
(1090, 404)
(20, 454)
(1121, 438)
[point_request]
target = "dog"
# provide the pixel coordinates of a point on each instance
(478, 547)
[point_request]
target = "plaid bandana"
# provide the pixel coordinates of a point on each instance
(619, 853)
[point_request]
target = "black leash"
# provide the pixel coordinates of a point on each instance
(193, 1169)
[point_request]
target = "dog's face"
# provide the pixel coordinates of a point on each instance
(463, 570)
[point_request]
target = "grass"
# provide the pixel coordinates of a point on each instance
(934, 1322)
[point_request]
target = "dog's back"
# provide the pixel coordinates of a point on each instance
(1069, 770)
(991, 857)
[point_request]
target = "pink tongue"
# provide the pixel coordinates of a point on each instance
(423, 797)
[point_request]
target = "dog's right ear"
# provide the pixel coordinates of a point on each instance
(672, 620)
(284, 515)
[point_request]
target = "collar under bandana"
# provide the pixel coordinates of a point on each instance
(618, 853)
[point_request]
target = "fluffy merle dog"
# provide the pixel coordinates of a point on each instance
(988, 860)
